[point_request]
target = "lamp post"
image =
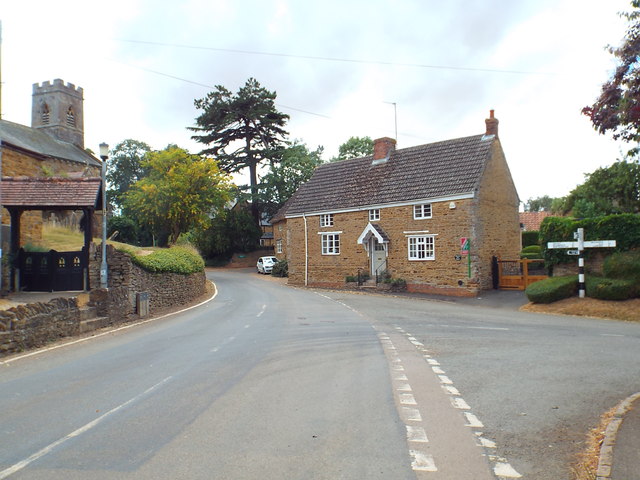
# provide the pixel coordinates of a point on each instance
(104, 154)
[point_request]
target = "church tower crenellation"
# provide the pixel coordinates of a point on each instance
(57, 109)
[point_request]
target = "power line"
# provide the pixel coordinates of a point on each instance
(335, 59)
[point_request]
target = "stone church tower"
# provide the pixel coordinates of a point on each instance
(57, 109)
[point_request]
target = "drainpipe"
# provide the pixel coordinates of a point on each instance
(306, 251)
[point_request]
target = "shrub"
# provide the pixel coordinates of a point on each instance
(280, 269)
(531, 252)
(530, 237)
(610, 288)
(552, 289)
(351, 278)
(171, 260)
(624, 265)
(398, 283)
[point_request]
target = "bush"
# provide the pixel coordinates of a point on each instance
(530, 237)
(531, 252)
(552, 289)
(280, 269)
(610, 288)
(351, 278)
(623, 265)
(398, 283)
(171, 260)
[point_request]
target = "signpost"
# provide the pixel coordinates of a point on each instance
(580, 244)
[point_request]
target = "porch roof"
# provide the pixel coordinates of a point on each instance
(51, 193)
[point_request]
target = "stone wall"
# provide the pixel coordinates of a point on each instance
(126, 280)
(35, 325)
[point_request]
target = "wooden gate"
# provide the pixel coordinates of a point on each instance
(517, 274)
(52, 271)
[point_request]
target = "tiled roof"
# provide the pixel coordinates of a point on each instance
(37, 141)
(441, 169)
(67, 193)
(532, 220)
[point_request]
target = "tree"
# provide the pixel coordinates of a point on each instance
(124, 168)
(242, 130)
(180, 192)
(607, 190)
(283, 179)
(230, 231)
(355, 147)
(617, 109)
(539, 204)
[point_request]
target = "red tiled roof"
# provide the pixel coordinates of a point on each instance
(532, 220)
(54, 193)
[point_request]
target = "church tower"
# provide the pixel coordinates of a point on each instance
(57, 109)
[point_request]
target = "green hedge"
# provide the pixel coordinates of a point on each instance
(624, 265)
(610, 288)
(181, 260)
(552, 289)
(530, 237)
(624, 229)
(531, 252)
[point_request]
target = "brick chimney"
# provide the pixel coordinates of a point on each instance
(382, 148)
(492, 124)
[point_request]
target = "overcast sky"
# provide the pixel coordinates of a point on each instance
(337, 67)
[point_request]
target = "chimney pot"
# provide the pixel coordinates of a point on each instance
(492, 124)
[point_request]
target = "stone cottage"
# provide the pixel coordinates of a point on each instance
(433, 215)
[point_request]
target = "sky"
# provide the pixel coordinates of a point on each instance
(339, 68)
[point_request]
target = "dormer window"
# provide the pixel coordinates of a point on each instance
(71, 118)
(45, 114)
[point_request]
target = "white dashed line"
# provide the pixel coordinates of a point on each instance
(437, 370)
(450, 390)
(473, 421)
(411, 414)
(264, 307)
(459, 403)
(422, 461)
(407, 399)
(416, 434)
(505, 470)
(404, 387)
(445, 380)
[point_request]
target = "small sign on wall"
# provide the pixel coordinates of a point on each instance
(464, 246)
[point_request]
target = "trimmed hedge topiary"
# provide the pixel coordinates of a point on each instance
(610, 288)
(531, 252)
(552, 289)
(530, 237)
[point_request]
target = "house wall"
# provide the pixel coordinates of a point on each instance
(444, 274)
(15, 164)
(496, 230)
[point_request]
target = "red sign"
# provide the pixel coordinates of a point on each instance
(464, 246)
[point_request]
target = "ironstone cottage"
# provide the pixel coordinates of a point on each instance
(434, 215)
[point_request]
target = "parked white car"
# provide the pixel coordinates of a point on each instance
(265, 264)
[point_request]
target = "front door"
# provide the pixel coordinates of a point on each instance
(378, 257)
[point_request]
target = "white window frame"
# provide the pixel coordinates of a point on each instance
(326, 220)
(279, 245)
(374, 214)
(423, 210)
(330, 243)
(421, 247)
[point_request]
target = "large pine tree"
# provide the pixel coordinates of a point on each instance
(241, 130)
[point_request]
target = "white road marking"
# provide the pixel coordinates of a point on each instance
(610, 335)
(404, 387)
(264, 307)
(485, 442)
(473, 421)
(445, 380)
(397, 368)
(437, 370)
(411, 414)
(49, 448)
(416, 434)
(431, 361)
(247, 326)
(422, 461)
(400, 376)
(450, 390)
(459, 403)
(505, 470)
(417, 343)
(488, 328)
(407, 399)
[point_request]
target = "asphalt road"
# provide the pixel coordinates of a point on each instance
(267, 382)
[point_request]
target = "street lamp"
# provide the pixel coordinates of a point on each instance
(104, 154)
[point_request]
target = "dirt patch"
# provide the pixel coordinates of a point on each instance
(585, 465)
(628, 310)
